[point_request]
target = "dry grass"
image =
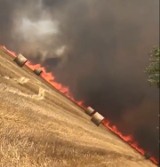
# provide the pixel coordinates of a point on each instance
(27, 141)
(50, 131)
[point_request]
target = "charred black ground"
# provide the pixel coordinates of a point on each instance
(98, 49)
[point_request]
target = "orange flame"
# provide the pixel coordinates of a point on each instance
(129, 139)
(49, 77)
(11, 53)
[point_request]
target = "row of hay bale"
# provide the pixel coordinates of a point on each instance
(96, 117)
(21, 60)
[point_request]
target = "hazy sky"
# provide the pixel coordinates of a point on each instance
(99, 49)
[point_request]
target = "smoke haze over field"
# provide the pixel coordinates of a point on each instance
(98, 49)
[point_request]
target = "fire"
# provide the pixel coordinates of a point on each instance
(50, 78)
(11, 53)
(129, 139)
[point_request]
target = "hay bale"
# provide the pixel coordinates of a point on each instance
(90, 111)
(38, 71)
(20, 60)
(97, 118)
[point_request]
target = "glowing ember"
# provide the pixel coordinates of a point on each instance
(49, 77)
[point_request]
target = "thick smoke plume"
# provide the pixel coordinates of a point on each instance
(99, 49)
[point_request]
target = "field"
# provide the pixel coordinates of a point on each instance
(41, 128)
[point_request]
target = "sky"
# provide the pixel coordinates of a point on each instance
(99, 49)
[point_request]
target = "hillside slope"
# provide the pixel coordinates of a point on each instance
(41, 128)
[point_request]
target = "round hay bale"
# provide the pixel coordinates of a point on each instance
(38, 71)
(147, 155)
(90, 111)
(97, 118)
(20, 60)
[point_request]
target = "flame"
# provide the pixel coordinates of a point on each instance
(128, 139)
(50, 78)
(11, 53)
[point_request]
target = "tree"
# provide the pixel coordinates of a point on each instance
(153, 69)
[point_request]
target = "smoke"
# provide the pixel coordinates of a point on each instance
(99, 49)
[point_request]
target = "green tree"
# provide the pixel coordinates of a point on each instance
(153, 70)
